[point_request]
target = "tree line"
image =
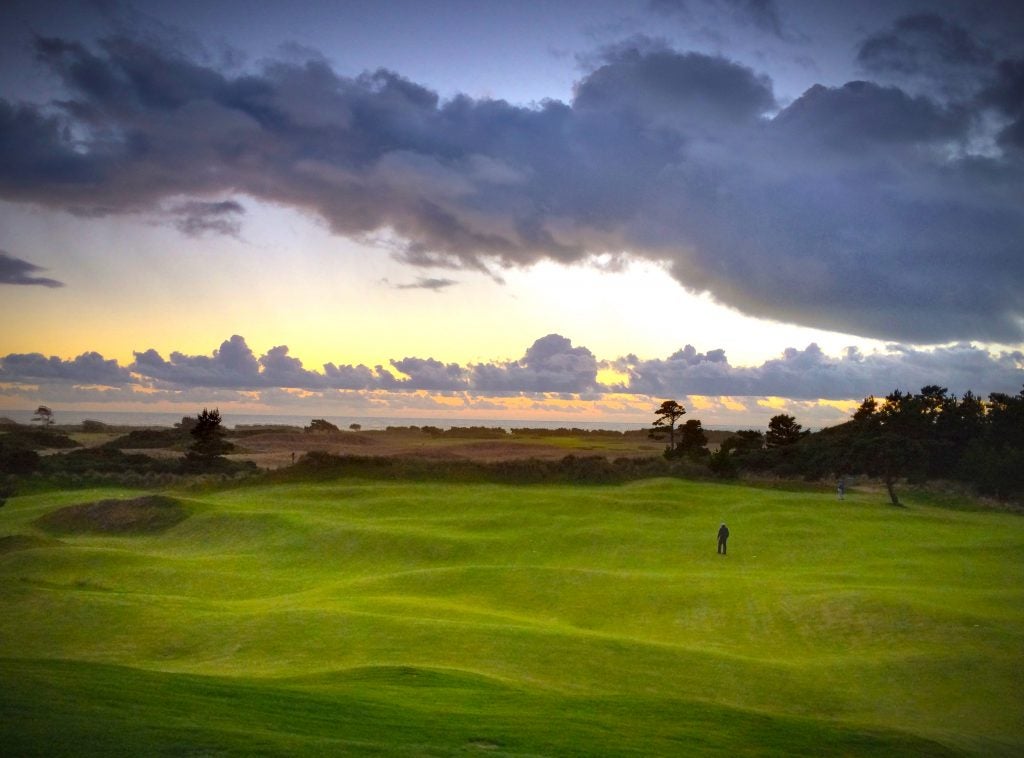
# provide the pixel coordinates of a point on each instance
(914, 437)
(931, 434)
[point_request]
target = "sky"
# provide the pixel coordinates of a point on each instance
(563, 211)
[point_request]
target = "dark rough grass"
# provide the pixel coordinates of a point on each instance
(150, 514)
(55, 708)
(11, 542)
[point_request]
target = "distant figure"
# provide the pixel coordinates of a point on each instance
(723, 535)
(841, 489)
(293, 457)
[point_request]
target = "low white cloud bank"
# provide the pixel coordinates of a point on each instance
(551, 366)
(810, 374)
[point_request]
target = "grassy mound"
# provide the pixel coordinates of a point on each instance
(432, 618)
(108, 710)
(150, 514)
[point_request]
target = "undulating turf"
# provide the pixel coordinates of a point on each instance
(395, 618)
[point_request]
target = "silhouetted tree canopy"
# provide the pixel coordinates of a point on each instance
(43, 416)
(930, 434)
(666, 416)
(743, 441)
(783, 430)
(321, 425)
(208, 443)
(692, 440)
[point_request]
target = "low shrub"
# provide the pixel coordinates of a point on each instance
(30, 438)
(571, 469)
(150, 439)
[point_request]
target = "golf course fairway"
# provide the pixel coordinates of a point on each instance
(390, 618)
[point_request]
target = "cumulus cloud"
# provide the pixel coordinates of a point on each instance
(232, 365)
(551, 364)
(552, 367)
(282, 370)
(863, 208)
(16, 271)
(810, 374)
(347, 377)
(87, 368)
(430, 374)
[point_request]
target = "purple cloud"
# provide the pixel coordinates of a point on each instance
(865, 208)
(16, 271)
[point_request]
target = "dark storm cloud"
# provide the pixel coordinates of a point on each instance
(862, 208)
(679, 91)
(88, 368)
(761, 14)
(195, 218)
(16, 271)
(1006, 94)
(863, 115)
(925, 46)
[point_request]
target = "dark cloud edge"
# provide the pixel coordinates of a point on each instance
(18, 272)
(663, 153)
(550, 366)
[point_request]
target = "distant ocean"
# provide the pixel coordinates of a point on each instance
(132, 418)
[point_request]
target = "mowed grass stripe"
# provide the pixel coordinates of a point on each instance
(853, 613)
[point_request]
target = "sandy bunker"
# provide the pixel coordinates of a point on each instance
(142, 515)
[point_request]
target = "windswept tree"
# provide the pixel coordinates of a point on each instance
(667, 416)
(43, 416)
(321, 425)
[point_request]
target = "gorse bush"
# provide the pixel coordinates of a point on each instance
(151, 439)
(35, 438)
(571, 469)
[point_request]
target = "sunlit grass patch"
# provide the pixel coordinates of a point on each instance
(442, 618)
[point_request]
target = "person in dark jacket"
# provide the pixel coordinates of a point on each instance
(723, 535)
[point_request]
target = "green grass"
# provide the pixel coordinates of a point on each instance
(425, 619)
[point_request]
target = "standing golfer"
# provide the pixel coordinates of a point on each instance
(723, 536)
